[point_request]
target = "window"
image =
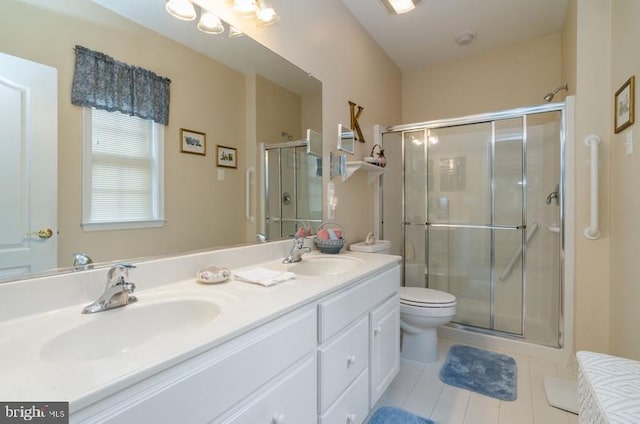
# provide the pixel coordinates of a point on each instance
(122, 171)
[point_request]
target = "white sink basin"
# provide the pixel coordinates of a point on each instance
(323, 265)
(117, 331)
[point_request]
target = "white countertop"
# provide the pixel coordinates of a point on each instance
(27, 376)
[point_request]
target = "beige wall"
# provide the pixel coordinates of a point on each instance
(625, 197)
(511, 77)
(205, 96)
(593, 116)
(277, 110)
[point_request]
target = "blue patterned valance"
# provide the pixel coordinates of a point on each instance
(104, 83)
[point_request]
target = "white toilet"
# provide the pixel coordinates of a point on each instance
(422, 311)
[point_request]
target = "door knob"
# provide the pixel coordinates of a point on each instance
(44, 234)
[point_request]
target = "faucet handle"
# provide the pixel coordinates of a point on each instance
(118, 274)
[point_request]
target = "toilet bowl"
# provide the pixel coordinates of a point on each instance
(422, 311)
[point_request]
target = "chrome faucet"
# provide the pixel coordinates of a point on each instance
(297, 250)
(116, 292)
(82, 262)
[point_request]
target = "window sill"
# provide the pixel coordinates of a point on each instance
(123, 225)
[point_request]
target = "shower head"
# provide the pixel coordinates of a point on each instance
(549, 96)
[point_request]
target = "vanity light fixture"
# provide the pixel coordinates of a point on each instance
(210, 23)
(266, 14)
(399, 7)
(181, 9)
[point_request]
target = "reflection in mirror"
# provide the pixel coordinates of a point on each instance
(293, 189)
(314, 143)
(217, 82)
(346, 139)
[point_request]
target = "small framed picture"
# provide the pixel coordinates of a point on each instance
(193, 142)
(624, 105)
(227, 157)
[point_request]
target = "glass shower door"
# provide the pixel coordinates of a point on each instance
(474, 220)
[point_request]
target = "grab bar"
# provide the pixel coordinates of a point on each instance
(247, 188)
(507, 269)
(592, 232)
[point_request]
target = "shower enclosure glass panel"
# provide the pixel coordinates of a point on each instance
(544, 227)
(415, 205)
(482, 216)
(474, 219)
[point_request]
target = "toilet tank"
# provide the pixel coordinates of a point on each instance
(380, 246)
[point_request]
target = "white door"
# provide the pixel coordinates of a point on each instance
(28, 166)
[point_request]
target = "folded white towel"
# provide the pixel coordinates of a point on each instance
(264, 276)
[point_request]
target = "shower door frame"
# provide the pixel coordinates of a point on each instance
(491, 118)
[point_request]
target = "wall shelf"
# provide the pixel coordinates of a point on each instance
(373, 171)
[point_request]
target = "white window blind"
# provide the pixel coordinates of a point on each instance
(122, 171)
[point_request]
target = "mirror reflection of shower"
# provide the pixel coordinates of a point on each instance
(292, 188)
(549, 97)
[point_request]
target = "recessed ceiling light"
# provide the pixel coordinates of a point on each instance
(465, 38)
(400, 6)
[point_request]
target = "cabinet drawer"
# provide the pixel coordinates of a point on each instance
(206, 386)
(338, 312)
(342, 360)
(291, 400)
(352, 407)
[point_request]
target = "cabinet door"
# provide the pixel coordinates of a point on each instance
(385, 347)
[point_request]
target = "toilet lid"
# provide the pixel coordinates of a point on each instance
(419, 296)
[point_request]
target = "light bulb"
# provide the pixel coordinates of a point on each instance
(210, 23)
(181, 9)
(266, 14)
(246, 8)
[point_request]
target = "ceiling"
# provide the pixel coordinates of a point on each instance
(427, 34)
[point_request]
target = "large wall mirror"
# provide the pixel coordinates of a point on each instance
(232, 89)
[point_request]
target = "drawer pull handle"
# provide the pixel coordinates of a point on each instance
(351, 418)
(377, 330)
(351, 359)
(278, 419)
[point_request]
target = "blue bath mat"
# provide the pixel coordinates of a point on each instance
(389, 415)
(487, 373)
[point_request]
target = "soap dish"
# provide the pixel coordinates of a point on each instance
(213, 275)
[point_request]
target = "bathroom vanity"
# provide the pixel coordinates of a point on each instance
(321, 348)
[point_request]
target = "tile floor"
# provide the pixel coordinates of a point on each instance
(418, 389)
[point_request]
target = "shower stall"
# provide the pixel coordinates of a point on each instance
(292, 189)
(480, 215)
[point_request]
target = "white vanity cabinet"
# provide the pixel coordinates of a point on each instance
(227, 378)
(326, 361)
(359, 352)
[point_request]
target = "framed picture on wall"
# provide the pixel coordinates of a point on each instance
(193, 142)
(624, 110)
(227, 157)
